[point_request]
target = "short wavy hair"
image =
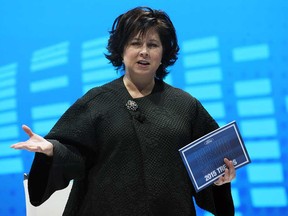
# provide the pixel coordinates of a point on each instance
(140, 20)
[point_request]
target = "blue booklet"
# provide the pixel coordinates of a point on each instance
(204, 157)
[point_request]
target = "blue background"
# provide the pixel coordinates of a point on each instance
(233, 58)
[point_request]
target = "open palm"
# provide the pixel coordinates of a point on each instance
(35, 143)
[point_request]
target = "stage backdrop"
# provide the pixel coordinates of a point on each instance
(233, 58)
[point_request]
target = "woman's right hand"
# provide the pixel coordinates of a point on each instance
(35, 143)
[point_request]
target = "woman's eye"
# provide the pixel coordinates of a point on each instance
(135, 43)
(153, 45)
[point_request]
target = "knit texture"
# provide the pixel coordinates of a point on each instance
(127, 162)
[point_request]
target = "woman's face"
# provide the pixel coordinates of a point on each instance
(142, 55)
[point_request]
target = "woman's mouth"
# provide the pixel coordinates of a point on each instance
(143, 62)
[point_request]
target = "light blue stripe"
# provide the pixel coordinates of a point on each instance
(99, 75)
(205, 92)
(5, 149)
(87, 87)
(255, 107)
(51, 49)
(9, 132)
(95, 63)
(91, 53)
(8, 68)
(11, 165)
(269, 197)
(37, 59)
(216, 109)
(49, 84)
(7, 75)
(7, 83)
(201, 59)
(200, 44)
(8, 104)
(287, 103)
(259, 128)
(49, 111)
(265, 173)
(258, 87)
(263, 149)
(44, 126)
(8, 92)
(251, 53)
(95, 43)
(8, 117)
(211, 74)
(49, 63)
(236, 197)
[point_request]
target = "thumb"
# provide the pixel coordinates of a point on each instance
(27, 130)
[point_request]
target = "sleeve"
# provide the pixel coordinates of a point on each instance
(215, 199)
(73, 146)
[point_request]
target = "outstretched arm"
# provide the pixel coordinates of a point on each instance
(53, 167)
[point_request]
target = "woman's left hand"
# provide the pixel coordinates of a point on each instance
(229, 174)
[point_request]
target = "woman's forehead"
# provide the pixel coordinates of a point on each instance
(150, 34)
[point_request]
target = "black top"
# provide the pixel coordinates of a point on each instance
(126, 162)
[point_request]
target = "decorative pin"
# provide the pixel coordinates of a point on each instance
(131, 105)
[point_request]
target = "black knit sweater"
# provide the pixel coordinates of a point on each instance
(127, 162)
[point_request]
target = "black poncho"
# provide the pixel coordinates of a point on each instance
(126, 162)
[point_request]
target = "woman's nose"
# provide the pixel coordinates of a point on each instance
(143, 51)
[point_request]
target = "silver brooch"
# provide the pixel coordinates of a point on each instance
(131, 105)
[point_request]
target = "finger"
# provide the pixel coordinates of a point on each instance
(226, 177)
(19, 145)
(227, 162)
(232, 170)
(27, 130)
(16, 145)
(219, 181)
(23, 146)
(231, 167)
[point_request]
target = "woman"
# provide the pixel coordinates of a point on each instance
(120, 141)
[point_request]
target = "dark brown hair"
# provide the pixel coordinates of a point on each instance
(140, 20)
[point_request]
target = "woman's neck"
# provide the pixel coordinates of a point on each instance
(138, 89)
